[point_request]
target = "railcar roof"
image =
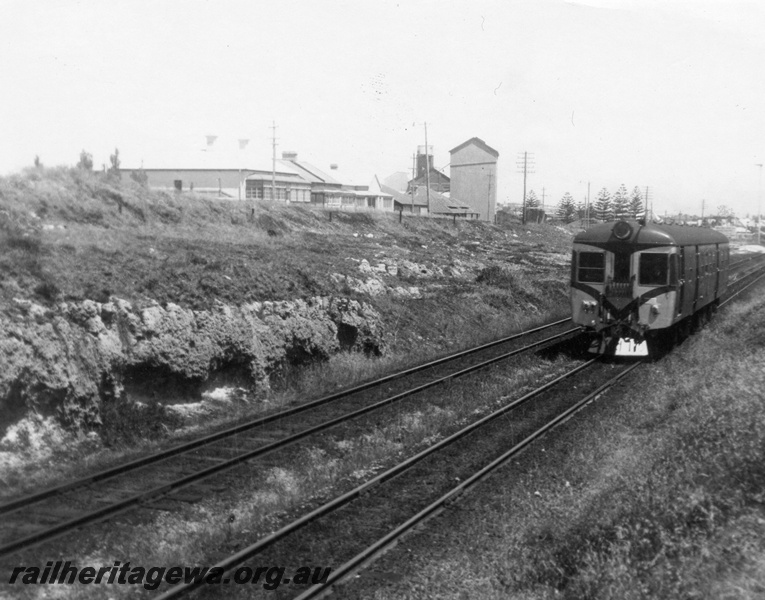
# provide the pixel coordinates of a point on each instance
(651, 234)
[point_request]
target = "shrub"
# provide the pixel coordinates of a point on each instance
(86, 161)
(495, 275)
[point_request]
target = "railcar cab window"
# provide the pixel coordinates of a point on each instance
(592, 267)
(653, 269)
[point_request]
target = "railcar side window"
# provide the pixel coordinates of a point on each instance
(592, 267)
(673, 269)
(653, 269)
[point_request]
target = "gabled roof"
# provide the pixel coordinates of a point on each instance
(434, 174)
(404, 198)
(478, 142)
(439, 203)
(396, 180)
(309, 172)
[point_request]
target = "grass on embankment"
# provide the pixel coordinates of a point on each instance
(73, 235)
(687, 510)
(67, 234)
(655, 491)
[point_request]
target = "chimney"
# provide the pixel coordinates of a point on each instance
(289, 155)
(424, 158)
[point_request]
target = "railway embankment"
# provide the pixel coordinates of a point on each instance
(67, 360)
(128, 314)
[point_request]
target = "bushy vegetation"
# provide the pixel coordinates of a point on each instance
(680, 524)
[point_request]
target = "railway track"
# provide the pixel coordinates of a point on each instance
(747, 276)
(362, 557)
(169, 475)
(424, 483)
(375, 549)
(45, 515)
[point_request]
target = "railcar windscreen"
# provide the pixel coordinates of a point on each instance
(592, 267)
(653, 269)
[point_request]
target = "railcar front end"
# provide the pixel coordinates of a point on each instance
(632, 282)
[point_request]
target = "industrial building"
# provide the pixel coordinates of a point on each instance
(293, 180)
(469, 192)
(473, 169)
(427, 174)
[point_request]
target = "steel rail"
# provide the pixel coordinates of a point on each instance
(105, 474)
(757, 258)
(732, 296)
(246, 553)
(383, 543)
(154, 493)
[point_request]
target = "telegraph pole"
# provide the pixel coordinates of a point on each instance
(646, 206)
(242, 145)
(488, 205)
(525, 166)
(759, 204)
(427, 168)
(414, 176)
(273, 163)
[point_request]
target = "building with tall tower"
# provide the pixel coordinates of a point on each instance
(473, 170)
(427, 173)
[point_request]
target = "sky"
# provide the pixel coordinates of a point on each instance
(667, 94)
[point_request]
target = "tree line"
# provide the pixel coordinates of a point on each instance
(112, 172)
(606, 207)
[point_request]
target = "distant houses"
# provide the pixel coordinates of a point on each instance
(423, 203)
(469, 193)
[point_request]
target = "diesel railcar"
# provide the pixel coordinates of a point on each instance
(636, 286)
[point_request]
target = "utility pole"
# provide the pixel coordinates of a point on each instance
(273, 164)
(702, 210)
(543, 198)
(525, 166)
(587, 206)
(488, 205)
(427, 167)
(759, 204)
(414, 176)
(646, 206)
(242, 145)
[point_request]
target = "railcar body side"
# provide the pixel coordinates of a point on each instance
(632, 282)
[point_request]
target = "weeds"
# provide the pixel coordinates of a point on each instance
(678, 505)
(125, 423)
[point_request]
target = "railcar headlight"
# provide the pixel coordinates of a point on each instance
(622, 230)
(589, 306)
(655, 309)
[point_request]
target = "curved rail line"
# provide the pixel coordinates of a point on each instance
(154, 493)
(224, 464)
(246, 553)
(374, 550)
(382, 544)
(757, 273)
(105, 474)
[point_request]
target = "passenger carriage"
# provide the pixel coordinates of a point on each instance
(633, 283)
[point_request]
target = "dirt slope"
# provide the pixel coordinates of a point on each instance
(109, 291)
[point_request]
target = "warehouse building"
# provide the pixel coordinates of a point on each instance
(473, 169)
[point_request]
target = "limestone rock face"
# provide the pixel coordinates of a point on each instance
(69, 360)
